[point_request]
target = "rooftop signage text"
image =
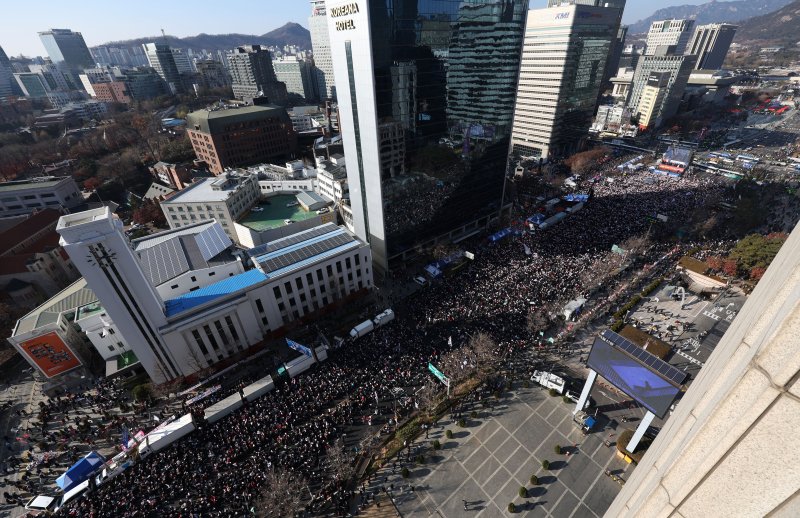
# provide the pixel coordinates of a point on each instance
(344, 10)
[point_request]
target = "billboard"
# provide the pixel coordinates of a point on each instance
(630, 375)
(50, 354)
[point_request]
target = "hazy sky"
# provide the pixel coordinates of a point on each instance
(103, 21)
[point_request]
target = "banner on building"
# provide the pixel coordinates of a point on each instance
(299, 348)
(50, 354)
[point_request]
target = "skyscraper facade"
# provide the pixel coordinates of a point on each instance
(297, 74)
(321, 46)
(67, 48)
(6, 75)
(679, 67)
(668, 33)
(161, 59)
(710, 43)
(563, 60)
(252, 73)
(426, 98)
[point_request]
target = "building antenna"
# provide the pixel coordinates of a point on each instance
(163, 35)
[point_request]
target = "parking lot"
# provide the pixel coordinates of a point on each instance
(487, 461)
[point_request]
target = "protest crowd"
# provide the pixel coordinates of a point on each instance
(367, 385)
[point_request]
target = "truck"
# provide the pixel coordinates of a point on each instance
(381, 319)
(549, 380)
(361, 329)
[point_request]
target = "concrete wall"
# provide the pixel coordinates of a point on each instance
(732, 446)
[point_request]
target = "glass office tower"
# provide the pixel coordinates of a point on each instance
(426, 93)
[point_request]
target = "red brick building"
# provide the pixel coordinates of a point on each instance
(112, 92)
(240, 136)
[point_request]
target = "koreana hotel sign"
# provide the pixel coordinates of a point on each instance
(342, 11)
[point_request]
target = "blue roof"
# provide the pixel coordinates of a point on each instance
(213, 291)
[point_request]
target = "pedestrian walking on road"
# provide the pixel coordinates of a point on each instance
(465, 505)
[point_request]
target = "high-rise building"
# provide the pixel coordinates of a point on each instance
(668, 33)
(144, 83)
(321, 46)
(710, 43)
(445, 73)
(652, 98)
(33, 85)
(616, 4)
(6, 76)
(297, 75)
(231, 136)
(563, 60)
(182, 61)
(252, 74)
(67, 48)
(679, 67)
(212, 74)
(161, 59)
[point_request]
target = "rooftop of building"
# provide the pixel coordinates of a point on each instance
(210, 120)
(230, 286)
(168, 254)
(73, 297)
(35, 183)
(275, 212)
(27, 227)
(215, 188)
(299, 250)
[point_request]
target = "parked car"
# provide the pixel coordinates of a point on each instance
(419, 279)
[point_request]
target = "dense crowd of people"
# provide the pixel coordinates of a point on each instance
(220, 469)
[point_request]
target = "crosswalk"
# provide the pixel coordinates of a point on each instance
(690, 358)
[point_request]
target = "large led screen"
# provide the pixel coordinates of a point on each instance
(631, 377)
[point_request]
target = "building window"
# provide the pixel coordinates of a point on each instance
(221, 332)
(288, 287)
(259, 306)
(194, 279)
(319, 274)
(347, 262)
(358, 260)
(232, 327)
(330, 270)
(195, 288)
(211, 338)
(199, 341)
(338, 267)
(211, 274)
(281, 306)
(309, 279)
(264, 322)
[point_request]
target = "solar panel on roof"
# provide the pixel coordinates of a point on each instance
(292, 240)
(655, 363)
(311, 250)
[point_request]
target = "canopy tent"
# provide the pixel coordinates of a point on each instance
(80, 471)
(497, 236)
(536, 218)
(577, 197)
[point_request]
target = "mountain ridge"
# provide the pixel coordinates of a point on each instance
(711, 12)
(289, 34)
(780, 27)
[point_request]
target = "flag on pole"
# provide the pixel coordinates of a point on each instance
(299, 348)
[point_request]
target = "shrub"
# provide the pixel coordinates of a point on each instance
(497, 394)
(523, 492)
(473, 414)
(449, 434)
(526, 384)
(534, 480)
(405, 473)
(566, 400)
(553, 392)
(557, 449)
(437, 445)
(142, 392)
(545, 464)
(462, 423)
(420, 459)
(512, 508)
(617, 326)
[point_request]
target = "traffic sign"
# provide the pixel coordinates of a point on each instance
(436, 372)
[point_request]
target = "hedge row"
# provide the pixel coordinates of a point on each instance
(620, 314)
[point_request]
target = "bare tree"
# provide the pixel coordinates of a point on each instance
(428, 397)
(282, 494)
(484, 347)
(537, 320)
(339, 461)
